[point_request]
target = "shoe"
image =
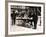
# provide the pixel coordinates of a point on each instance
(34, 28)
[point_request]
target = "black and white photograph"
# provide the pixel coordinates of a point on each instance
(25, 18)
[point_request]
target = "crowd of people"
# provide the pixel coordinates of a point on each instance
(28, 17)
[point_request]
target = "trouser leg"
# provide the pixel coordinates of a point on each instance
(31, 22)
(35, 24)
(14, 21)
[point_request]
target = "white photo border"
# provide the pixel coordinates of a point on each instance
(33, 4)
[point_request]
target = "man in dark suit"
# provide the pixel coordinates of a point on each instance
(35, 18)
(13, 17)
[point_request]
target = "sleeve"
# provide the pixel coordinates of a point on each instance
(11, 15)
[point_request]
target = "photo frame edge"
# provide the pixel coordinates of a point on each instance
(6, 18)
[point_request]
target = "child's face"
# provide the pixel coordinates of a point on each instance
(29, 22)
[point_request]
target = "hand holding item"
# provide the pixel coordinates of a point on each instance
(31, 18)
